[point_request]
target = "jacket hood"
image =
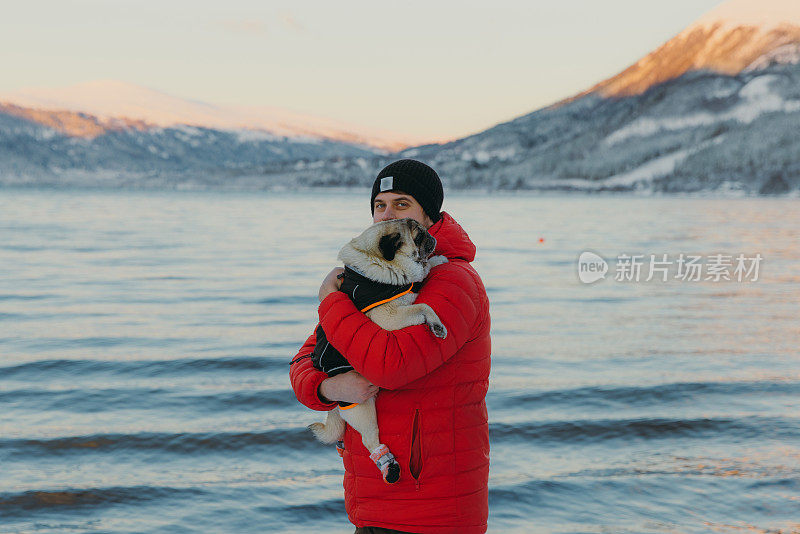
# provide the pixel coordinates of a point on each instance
(452, 241)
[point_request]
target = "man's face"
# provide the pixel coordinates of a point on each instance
(398, 205)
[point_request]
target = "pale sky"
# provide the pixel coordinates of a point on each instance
(428, 69)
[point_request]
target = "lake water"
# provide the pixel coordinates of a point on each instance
(145, 339)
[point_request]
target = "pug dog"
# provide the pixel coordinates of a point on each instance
(383, 269)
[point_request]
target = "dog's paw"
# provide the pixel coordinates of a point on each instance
(438, 329)
(433, 261)
(387, 463)
(392, 473)
(318, 429)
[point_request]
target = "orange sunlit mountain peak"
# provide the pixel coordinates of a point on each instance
(737, 35)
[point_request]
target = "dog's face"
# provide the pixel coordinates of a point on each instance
(405, 236)
(401, 247)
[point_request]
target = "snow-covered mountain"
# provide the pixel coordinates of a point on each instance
(736, 36)
(34, 150)
(111, 133)
(716, 108)
(113, 102)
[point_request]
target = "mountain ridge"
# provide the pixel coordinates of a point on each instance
(114, 101)
(728, 39)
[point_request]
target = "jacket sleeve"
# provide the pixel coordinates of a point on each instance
(306, 378)
(393, 358)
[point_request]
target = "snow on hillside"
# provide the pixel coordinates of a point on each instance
(108, 99)
(785, 55)
(756, 98)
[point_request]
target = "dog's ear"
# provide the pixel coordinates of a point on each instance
(428, 245)
(420, 237)
(425, 242)
(390, 244)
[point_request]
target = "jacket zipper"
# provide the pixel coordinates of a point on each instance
(415, 454)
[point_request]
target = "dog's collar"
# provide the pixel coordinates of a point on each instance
(366, 293)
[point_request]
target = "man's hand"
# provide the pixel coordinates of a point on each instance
(330, 284)
(347, 387)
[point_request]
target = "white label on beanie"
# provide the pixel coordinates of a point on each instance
(387, 183)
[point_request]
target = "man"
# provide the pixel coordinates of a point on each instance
(429, 392)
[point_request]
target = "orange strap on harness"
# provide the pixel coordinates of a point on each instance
(406, 292)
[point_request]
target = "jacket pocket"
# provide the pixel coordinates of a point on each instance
(415, 458)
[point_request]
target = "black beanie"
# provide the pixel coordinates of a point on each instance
(414, 178)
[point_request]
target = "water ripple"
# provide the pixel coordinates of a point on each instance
(37, 500)
(176, 443)
(85, 400)
(593, 431)
(626, 396)
(59, 368)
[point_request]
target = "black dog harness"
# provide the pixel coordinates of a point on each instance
(365, 294)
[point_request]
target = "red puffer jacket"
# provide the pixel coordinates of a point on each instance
(431, 408)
